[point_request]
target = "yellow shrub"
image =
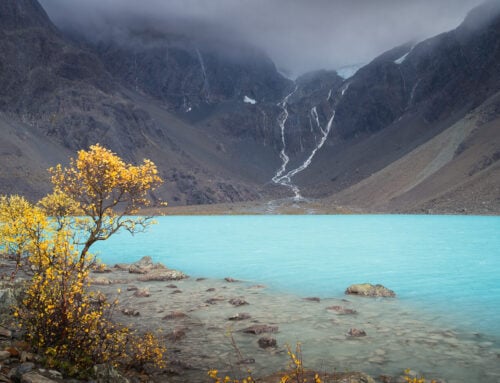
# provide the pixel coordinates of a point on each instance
(62, 318)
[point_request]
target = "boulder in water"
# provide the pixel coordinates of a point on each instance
(356, 333)
(267, 342)
(369, 290)
(238, 302)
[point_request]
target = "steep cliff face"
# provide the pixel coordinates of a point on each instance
(189, 74)
(404, 99)
(62, 94)
(439, 78)
(16, 14)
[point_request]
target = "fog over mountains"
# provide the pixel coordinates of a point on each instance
(298, 35)
(204, 90)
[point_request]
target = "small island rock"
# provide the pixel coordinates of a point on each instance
(369, 290)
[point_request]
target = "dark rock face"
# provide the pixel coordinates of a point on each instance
(16, 14)
(439, 77)
(304, 127)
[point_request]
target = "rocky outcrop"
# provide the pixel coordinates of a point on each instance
(148, 270)
(163, 275)
(369, 290)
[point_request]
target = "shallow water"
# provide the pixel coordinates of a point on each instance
(445, 271)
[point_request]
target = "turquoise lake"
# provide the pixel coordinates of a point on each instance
(446, 267)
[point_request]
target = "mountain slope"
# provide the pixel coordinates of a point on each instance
(63, 94)
(456, 171)
(404, 98)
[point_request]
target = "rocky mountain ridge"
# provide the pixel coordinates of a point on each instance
(221, 122)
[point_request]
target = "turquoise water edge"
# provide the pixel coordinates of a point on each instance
(449, 265)
(445, 271)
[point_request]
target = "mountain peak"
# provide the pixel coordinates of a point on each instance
(15, 14)
(482, 15)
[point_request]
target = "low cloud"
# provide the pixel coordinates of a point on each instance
(299, 35)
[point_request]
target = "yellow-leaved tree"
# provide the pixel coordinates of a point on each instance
(93, 198)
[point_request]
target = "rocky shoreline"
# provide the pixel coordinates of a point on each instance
(234, 326)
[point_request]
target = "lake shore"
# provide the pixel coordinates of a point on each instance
(289, 206)
(235, 326)
(201, 317)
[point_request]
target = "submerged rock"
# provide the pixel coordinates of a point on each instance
(238, 302)
(246, 361)
(356, 333)
(213, 301)
(240, 316)
(369, 290)
(177, 334)
(260, 329)
(267, 342)
(142, 293)
(230, 280)
(175, 315)
(162, 275)
(341, 310)
(130, 312)
(312, 299)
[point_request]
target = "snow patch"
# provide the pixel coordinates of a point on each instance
(249, 100)
(348, 71)
(401, 60)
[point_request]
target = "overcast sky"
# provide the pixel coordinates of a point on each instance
(299, 35)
